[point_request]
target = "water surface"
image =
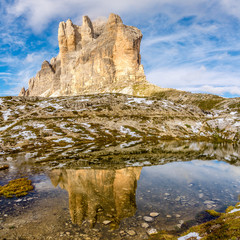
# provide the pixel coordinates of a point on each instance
(105, 203)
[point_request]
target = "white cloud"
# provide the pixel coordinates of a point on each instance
(40, 13)
(196, 80)
(232, 7)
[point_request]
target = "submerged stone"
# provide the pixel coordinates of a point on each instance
(148, 219)
(154, 214)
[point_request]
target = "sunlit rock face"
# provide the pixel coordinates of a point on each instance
(97, 195)
(98, 57)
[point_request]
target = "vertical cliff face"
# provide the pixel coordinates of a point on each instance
(93, 58)
(96, 195)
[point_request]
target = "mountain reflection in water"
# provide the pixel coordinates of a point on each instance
(96, 195)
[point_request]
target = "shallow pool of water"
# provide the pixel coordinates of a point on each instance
(111, 203)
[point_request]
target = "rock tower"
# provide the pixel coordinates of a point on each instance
(98, 57)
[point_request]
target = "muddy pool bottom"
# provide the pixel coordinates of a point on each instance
(113, 203)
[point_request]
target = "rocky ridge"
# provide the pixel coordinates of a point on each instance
(103, 127)
(97, 57)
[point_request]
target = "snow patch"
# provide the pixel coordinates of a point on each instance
(21, 107)
(128, 131)
(28, 135)
(235, 210)
(129, 144)
(45, 104)
(6, 114)
(236, 124)
(39, 125)
(190, 235)
(89, 138)
(19, 127)
(140, 101)
(195, 128)
(68, 140)
(5, 127)
(86, 125)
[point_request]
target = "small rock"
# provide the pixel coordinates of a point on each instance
(178, 216)
(131, 232)
(122, 233)
(154, 214)
(152, 231)
(200, 195)
(179, 225)
(68, 233)
(144, 225)
(178, 199)
(166, 194)
(4, 167)
(106, 222)
(181, 221)
(168, 216)
(148, 219)
(209, 202)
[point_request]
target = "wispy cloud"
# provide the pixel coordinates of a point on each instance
(197, 80)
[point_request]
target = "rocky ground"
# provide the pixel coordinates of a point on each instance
(108, 124)
(98, 130)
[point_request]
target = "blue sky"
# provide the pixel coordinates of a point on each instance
(188, 45)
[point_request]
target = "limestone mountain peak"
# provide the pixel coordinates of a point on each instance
(93, 58)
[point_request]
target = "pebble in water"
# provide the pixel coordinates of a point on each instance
(122, 233)
(144, 225)
(148, 219)
(154, 214)
(131, 232)
(200, 195)
(151, 231)
(106, 222)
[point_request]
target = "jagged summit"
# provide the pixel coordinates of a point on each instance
(96, 57)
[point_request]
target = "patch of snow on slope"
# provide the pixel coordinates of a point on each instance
(197, 126)
(68, 140)
(140, 101)
(6, 114)
(19, 127)
(235, 210)
(190, 235)
(128, 131)
(45, 104)
(28, 135)
(22, 107)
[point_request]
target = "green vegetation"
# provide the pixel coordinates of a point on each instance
(213, 213)
(203, 101)
(225, 227)
(18, 187)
